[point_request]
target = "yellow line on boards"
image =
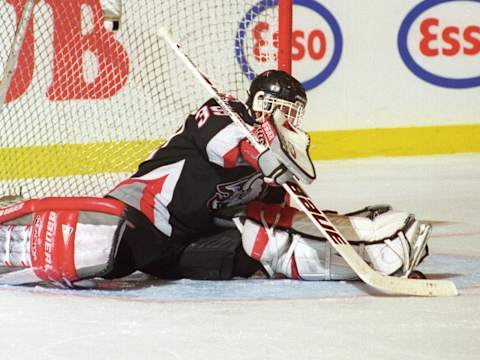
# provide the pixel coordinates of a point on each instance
(124, 156)
(73, 159)
(348, 144)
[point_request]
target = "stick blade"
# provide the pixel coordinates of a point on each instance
(414, 287)
(394, 284)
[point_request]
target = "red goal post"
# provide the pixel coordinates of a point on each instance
(82, 104)
(285, 26)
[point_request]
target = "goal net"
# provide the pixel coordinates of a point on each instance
(83, 101)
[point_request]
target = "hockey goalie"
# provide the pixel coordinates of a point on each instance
(208, 205)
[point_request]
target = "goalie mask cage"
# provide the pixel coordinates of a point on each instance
(83, 101)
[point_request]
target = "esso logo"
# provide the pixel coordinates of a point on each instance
(317, 41)
(449, 39)
(439, 41)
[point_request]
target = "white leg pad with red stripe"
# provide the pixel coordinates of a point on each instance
(293, 256)
(286, 243)
(270, 249)
(59, 239)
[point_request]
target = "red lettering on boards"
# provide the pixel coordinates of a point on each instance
(313, 44)
(448, 40)
(70, 46)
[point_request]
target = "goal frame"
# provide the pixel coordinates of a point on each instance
(285, 28)
(14, 53)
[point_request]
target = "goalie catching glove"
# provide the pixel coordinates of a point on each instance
(287, 155)
(285, 242)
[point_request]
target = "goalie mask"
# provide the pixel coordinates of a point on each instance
(274, 89)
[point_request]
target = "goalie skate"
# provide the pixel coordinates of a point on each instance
(419, 248)
(413, 237)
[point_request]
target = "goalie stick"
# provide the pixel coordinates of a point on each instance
(385, 283)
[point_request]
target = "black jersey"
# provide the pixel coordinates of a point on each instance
(197, 171)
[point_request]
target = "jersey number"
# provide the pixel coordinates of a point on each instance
(205, 112)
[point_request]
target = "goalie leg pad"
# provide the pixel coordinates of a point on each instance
(63, 239)
(292, 255)
(285, 242)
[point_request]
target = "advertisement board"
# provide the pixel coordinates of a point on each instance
(383, 77)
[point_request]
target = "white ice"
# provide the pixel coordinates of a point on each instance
(282, 319)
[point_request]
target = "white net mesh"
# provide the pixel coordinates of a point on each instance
(85, 104)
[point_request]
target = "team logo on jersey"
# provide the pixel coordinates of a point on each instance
(439, 41)
(316, 43)
(237, 192)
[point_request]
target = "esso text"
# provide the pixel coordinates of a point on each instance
(439, 39)
(312, 44)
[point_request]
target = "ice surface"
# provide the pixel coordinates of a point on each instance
(277, 319)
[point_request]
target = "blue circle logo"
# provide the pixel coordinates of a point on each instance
(413, 66)
(265, 5)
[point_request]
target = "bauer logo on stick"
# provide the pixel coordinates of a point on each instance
(316, 43)
(441, 45)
